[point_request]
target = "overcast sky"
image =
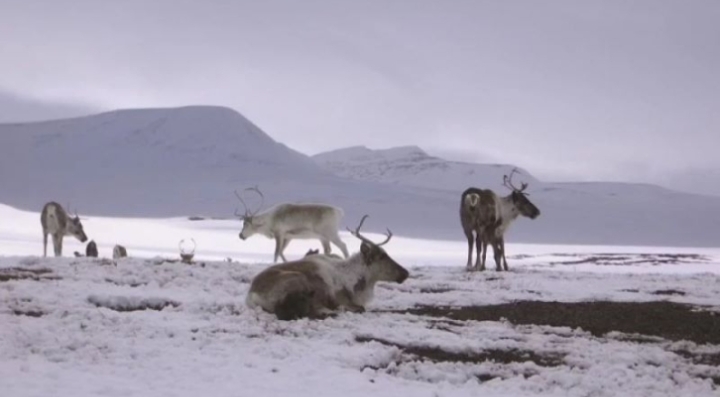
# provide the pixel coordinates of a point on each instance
(581, 90)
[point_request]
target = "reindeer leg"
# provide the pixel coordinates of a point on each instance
(479, 249)
(57, 244)
(469, 237)
(326, 246)
(286, 242)
(345, 302)
(277, 248)
(339, 243)
(283, 244)
(484, 252)
(497, 252)
(502, 248)
(45, 243)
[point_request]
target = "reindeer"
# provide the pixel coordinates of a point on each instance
(319, 285)
(56, 222)
(287, 221)
(489, 216)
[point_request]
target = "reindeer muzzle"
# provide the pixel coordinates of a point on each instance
(241, 236)
(404, 274)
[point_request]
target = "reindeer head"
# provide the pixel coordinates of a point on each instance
(249, 225)
(382, 266)
(75, 228)
(519, 197)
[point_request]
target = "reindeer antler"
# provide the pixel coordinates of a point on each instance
(262, 197)
(69, 210)
(180, 246)
(357, 234)
(507, 182)
(247, 213)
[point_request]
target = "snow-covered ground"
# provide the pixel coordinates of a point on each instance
(67, 325)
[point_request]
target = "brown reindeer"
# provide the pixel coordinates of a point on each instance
(318, 285)
(489, 216)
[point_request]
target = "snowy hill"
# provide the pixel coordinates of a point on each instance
(179, 162)
(593, 212)
(412, 166)
(187, 161)
(157, 162)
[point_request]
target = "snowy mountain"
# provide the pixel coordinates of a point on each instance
(594, 212)
(180, 162)
(187, 161)
(412, 166)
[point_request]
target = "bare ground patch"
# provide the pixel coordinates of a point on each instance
(130, 304)
(668, 320)
(28, 313)
(21, 273)
(438, 355)
(613, 259)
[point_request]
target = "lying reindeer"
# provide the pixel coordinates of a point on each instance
(284, 222)
(318, 285)
(489, 216)
(56, 222)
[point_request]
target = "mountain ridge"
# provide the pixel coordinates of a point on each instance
(168, 162)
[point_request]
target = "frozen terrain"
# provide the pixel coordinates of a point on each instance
(178, 162)
(565, 321)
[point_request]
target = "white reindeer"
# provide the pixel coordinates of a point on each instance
(318, 285)
(56, 222)
(287, 221)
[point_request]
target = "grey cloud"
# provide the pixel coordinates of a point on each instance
(16, 108)
(571, 90)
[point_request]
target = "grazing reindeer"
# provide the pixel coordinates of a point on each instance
(56, 222)
(317, 285)
(284, 222)
(489, 216)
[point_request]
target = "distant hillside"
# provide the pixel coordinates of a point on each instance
(594, 212)
(412, 166)
(181, 162)
(187, 161)
(142, 162)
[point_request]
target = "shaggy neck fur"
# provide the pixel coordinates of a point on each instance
(356, 277)
(261, 224)
(507, 211)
